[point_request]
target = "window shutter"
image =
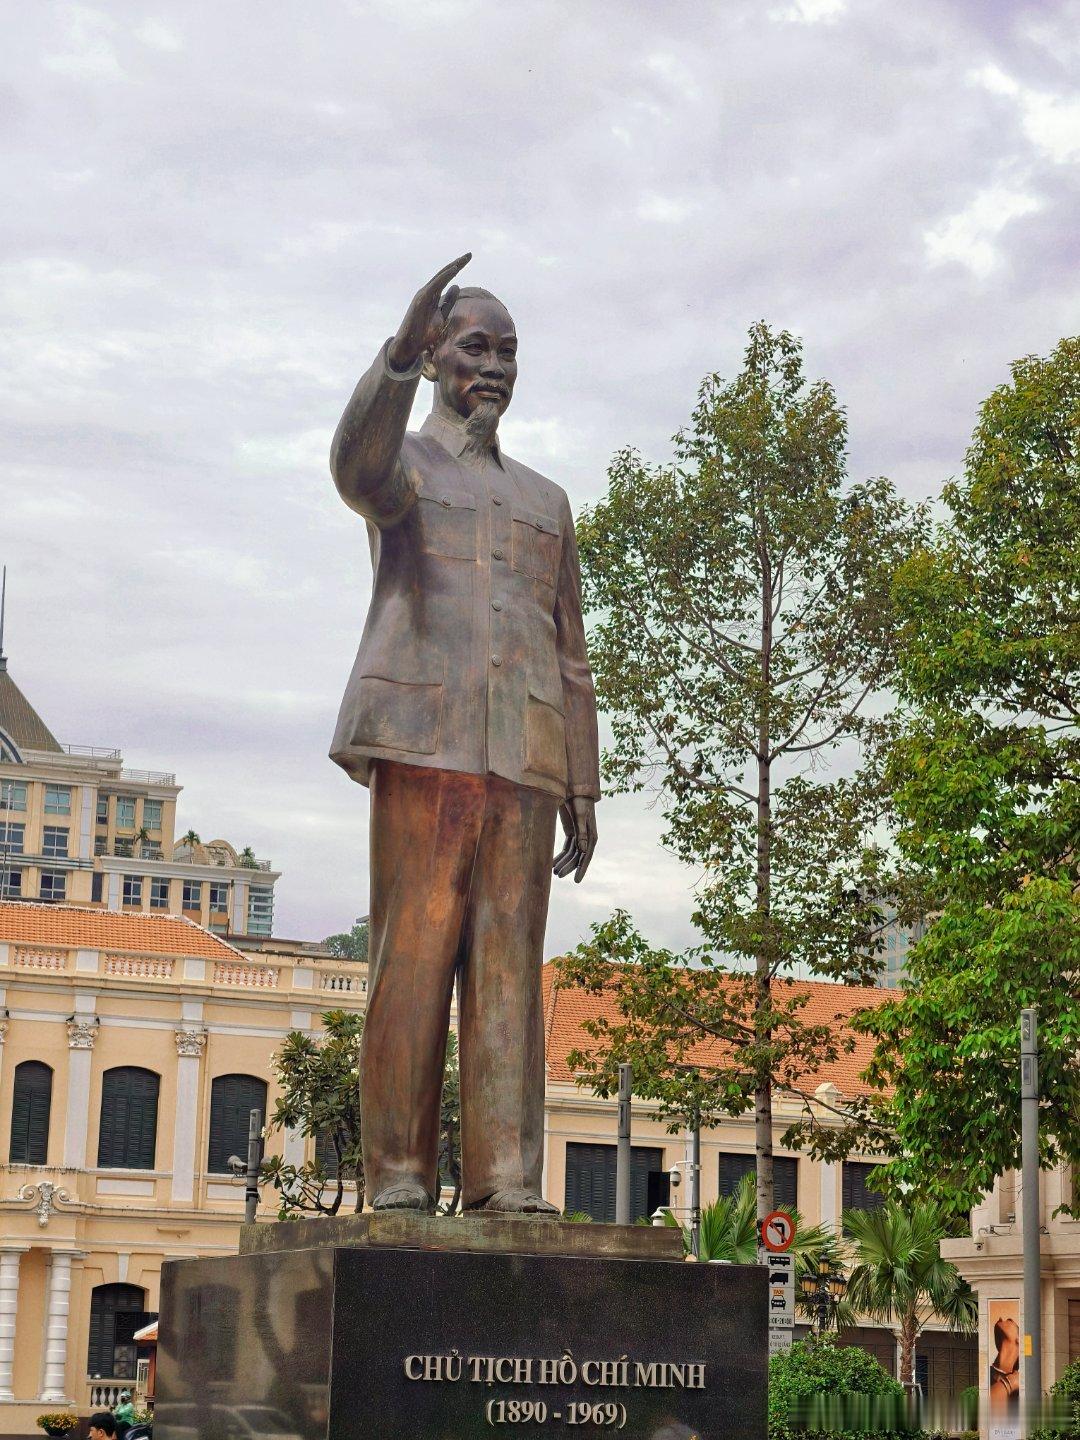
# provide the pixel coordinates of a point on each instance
(232, 1099)
(31, 1106)
(590, 1179)
(116, 1312)
(854, 1192)
(734, 1165)
(127, 1137)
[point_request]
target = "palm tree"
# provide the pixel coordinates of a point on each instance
(191, 839)
(247, 858)
(899, 1277)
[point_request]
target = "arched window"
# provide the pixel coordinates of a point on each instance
(232, 1099)
(127, 1139)
(30, 1109)
(116, 1312)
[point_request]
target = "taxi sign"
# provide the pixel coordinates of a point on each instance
(778, 1231)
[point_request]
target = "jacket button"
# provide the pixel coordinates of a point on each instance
(446, 501)
(498, 554)
(539, 523)
(496, 604)
(496, 499)
(496, 659)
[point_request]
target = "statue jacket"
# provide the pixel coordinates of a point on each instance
(473, 654)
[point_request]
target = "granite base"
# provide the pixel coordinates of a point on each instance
(369, 1341)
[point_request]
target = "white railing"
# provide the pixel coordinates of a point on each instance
(105, 1394)
(239, 973)
(149, 777)
(355, 984)
(25, 958)
(91, 752)
(140, 967)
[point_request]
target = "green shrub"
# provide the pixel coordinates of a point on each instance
(811, 1384)
(1065, 1398)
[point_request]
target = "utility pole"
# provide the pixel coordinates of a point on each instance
(1029, 1153)
(622, 1154)
(254, 1163)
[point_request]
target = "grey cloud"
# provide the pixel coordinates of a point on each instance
(222, 211)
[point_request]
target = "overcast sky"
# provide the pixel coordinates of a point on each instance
(215, 213)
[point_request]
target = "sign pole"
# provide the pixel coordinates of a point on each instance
(1029, 1147)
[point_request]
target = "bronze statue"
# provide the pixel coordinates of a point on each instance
(470, 714)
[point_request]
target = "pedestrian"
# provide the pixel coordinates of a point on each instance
(102, 1426)
(124, 1414)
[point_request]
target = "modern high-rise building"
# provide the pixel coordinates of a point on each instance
(78, 827)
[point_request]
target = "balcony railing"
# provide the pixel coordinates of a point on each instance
(105, 1394)
(149, 777)
(91, 752)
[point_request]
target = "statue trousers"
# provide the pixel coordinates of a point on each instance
(460, 878)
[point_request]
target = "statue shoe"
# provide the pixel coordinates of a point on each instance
(405, 1195)
(519, 1202)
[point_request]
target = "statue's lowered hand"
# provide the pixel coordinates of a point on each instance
(578, 818)
(420, 328)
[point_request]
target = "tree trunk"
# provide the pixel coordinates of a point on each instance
(908, 1333)
(763, 1127)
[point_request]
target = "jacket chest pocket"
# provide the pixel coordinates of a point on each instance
(447, 525)
(536, 546)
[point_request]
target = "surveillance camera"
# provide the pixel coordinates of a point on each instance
(676, 1177)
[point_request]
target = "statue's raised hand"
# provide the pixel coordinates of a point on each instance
(420, 328)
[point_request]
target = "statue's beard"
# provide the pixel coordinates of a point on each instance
(480, 428)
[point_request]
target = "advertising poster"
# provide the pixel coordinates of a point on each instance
(1003, 1368)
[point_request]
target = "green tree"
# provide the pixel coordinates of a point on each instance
(450, 1128)
(987, 780)
(247, 859)
(319, 1080)
(350, 944)
(744, 620)
(898, 1275)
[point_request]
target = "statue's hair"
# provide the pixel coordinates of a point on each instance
(466, 292)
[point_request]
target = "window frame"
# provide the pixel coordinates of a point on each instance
(159, 892)
(50, 836)
(60, 793)
(8, 788)
(131, 890)
(57, 885)
(11, 846)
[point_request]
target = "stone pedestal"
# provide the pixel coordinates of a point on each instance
(398, 1328)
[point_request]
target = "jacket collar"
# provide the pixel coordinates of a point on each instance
(452, 437)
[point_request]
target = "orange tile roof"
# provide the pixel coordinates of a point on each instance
(71, 926)
(566, 1010)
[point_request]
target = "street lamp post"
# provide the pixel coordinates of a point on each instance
(823, 1292)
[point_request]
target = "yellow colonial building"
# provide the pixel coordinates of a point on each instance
(132, 1048)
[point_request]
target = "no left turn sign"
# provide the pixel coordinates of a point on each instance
(777, 1232)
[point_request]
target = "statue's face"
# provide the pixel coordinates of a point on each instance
(475, 362)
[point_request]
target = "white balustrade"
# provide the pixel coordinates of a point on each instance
(140, 967)
(354, 984)
(241, 974)
(25, 957)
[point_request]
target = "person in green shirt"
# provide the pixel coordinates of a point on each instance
(124, 1414)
